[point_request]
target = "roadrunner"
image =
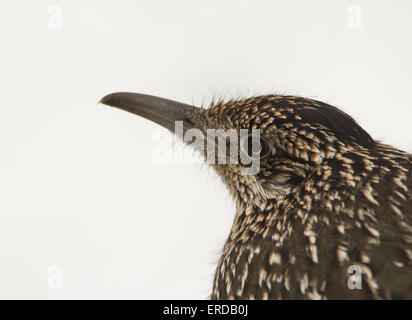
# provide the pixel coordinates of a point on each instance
(328, 215)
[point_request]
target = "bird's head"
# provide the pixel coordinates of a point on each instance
(262, 147)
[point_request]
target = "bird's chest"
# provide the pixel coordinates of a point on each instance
(256, 262)
(278, 259)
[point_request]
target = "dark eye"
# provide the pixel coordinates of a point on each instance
(256, 146)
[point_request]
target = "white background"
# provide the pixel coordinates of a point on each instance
(85, 211)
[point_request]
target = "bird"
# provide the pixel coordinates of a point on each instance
(328, 213)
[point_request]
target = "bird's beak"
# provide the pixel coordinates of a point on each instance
(161, 111)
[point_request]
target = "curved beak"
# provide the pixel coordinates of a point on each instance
(161, 111)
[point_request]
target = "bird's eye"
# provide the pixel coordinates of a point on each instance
(256, 146)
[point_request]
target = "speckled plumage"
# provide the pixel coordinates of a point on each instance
(327, 197)
(342, 200)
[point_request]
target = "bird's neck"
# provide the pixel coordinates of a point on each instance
(336, 178)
